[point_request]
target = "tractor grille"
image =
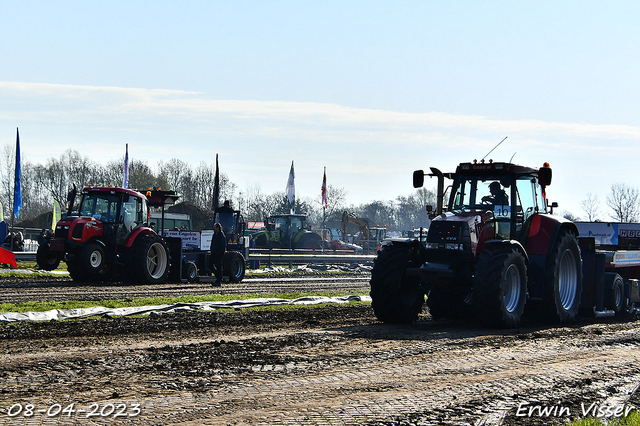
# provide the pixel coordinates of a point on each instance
(449, 235)
(77, 230)
(62, 231)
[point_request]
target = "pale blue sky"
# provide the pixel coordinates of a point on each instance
(371, 90)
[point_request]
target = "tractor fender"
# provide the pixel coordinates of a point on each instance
(142, 230)
(400, 242)
(543, 232)
(508, 244)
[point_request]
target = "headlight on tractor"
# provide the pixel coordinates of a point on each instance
(451, 246)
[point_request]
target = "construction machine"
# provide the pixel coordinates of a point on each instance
(370, 237)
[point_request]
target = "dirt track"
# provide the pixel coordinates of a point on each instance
(326, 365)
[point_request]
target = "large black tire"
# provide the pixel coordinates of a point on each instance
(275, 245)
(500, 287)
(93, 260)
(150, 259)
(47, 260)
(191, 271)
(563, 280)
(233, 266)
(310, 241)
(394, 296)
(261, 241)
(76, 272)
(614, 294)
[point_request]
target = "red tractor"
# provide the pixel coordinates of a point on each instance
(493, 250)
(107, 237)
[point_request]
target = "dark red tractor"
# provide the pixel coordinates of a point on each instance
(491, 251)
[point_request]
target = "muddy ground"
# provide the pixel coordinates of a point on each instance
(310, 366)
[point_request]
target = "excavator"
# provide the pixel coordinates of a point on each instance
(370, 238)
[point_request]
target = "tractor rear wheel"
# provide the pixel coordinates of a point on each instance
(233, 266)
(395, 297)
(500, 287)
(76, 273)
(563, 280)
(311, 241)
(150, 259)
(47, 260)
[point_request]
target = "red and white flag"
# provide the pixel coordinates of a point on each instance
(324, 188)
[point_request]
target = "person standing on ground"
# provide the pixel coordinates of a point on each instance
(218, 248)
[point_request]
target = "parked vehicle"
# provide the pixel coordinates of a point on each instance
(287, 231)
(495, 251)
(108, 237)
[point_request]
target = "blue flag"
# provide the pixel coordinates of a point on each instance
(17, 193)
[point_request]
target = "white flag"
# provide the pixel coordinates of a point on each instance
(291, 189)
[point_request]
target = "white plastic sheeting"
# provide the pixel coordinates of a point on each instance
(59, 314)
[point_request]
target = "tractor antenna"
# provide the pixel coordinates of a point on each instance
(495, 147)
(514, 154)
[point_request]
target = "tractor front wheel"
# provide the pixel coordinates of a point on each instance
(395, 297)
(92, 259)
(150, 259)
(500, 287)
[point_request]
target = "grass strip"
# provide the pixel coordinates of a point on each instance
(633, 419)
(153, 301)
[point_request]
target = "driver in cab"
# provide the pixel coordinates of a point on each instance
(498, 195)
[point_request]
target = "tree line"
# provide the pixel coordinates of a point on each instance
(41, 184)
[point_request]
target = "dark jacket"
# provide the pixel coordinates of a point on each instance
(218, 245)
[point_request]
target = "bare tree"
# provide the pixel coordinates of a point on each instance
(591, 206)
(623, 200)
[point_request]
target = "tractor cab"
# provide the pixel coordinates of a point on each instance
(511, 194)
(287, 227)
(232, 222)
(107, 213)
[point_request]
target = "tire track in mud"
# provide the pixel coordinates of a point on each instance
(68, 290)
(312, 372)
(425, 373)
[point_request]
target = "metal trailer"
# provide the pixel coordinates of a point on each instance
(610, 254)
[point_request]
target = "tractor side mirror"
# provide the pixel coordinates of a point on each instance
(418, 178)
(544, 173)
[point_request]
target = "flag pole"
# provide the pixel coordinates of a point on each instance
(17, 193)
